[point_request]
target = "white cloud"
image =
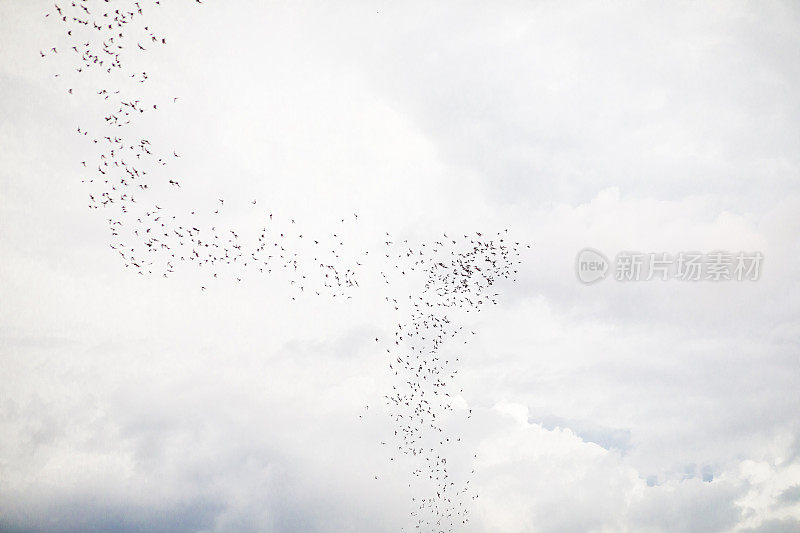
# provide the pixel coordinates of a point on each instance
(130, 402)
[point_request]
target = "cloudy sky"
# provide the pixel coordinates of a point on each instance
(137, 403)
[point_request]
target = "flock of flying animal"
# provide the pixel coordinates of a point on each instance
(127, 180)
(129, 173)
(455, 275)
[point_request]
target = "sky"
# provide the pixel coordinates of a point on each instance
(143, 403)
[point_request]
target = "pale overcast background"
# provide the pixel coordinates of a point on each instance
(131, 403)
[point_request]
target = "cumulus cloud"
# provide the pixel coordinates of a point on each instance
(131, 403)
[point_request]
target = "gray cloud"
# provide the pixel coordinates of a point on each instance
(67, 514)
(132, 403)
(786, 525)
